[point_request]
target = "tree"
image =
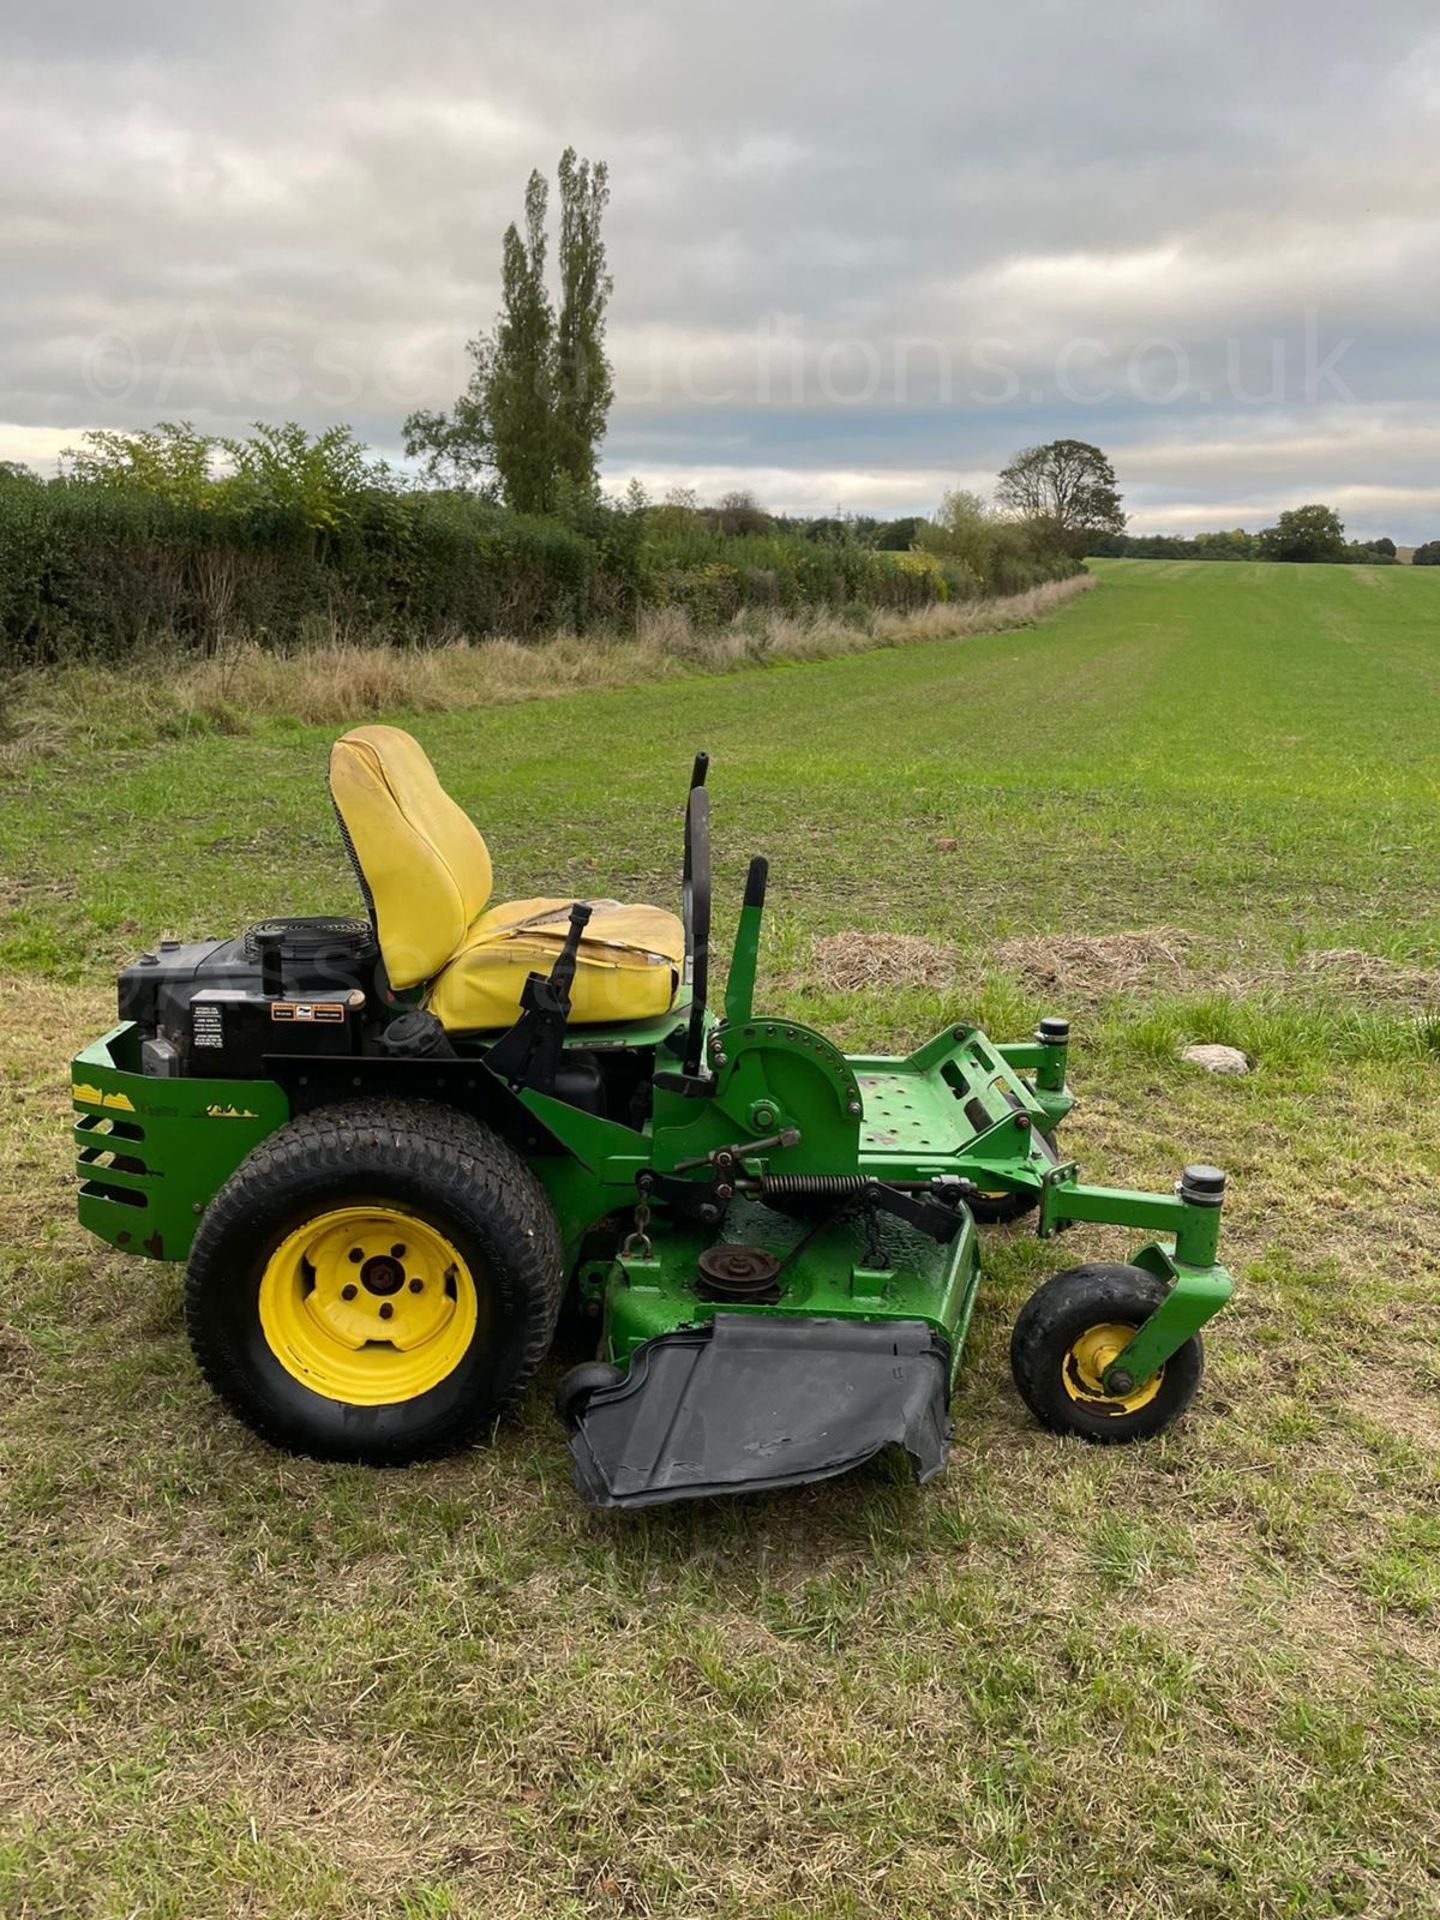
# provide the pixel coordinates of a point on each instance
(898, 536)
(519, 396)
(454, 447)
(322, 479)
(1234, 545)
(740, 512)
(1426, 556)
(1310, 534)
(16, 473)
(964, 529)
(1067, 488)
(583, 388)
(829, 530)
(170, 460)
(1112, 546)
(1371, 553)
(534, 410)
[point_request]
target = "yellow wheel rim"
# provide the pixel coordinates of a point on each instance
(1084, 1371)
(368, 1305)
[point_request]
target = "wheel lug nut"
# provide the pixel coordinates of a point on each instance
(348, 1293)
(417, 1286)
(357, 1254)
(397, 1253)
(386, 1310)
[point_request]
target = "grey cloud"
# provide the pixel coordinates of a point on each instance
(274, 210)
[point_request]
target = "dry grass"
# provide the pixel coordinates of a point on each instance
(1089, 968)
(342, 681)
(851, 962)
(1083, 972)
(1370, 979)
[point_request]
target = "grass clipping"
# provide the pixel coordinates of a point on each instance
(1085, 970)
(855, 962)
(1091, 967)
(1087, 967)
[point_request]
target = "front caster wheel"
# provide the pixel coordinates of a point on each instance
(998, 1209)
(1070, 1330)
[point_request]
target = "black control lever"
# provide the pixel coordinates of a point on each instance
(529, 1054)
(728, 1157)
(562, 975)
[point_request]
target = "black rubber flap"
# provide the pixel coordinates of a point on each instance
(756, 1400)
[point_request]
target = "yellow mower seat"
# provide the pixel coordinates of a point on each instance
(426, 874)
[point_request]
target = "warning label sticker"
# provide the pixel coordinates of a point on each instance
(206, 1025)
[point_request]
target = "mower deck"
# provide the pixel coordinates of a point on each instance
(870, 1268)
(848, 1345)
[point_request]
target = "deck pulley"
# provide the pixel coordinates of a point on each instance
(750, 1274)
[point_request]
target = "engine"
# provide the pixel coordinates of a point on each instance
(218, 1007)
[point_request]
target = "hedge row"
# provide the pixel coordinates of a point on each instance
(97, 572)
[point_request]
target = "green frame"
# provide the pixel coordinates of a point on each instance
(153, 1152)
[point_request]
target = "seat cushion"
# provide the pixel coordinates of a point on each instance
(629, 965)
(423, 864)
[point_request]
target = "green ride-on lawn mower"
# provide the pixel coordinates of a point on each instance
(393, 1149)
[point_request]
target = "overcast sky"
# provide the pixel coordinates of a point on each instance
(862, 251)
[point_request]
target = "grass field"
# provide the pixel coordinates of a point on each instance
(1198, 1679)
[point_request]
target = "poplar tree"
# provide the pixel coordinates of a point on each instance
(534, 411)
(519, 385)
(583, 388)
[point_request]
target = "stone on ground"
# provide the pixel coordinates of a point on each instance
(1217, 1059)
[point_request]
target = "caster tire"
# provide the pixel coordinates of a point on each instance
(998, 1209)
(1067, 1334)
(575, 1387)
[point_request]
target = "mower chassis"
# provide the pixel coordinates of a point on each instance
(152, 1152)
(776, 1241)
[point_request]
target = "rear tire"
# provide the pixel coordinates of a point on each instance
(329, 1340)
(1069, 1331)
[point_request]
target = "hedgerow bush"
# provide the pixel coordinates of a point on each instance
(713, 576)
(142, 543)
(97, 573)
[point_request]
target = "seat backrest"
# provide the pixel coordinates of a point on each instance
(421, 861)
